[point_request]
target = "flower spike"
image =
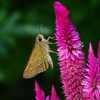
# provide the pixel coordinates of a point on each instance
(92, 82)
(40, 95)
(71, 56)
(54, 95)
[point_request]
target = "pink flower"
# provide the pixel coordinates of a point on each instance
(40, 95)
(98, 56)
(92, 82)
(54, 95)
(47, 98)
(71, 56)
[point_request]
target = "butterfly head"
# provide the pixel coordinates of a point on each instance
(40, 38)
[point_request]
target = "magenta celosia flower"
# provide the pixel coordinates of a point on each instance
(98, 56)
(92, 82)
(54, 95)
(71, 56)
(47, 98)
(40, 95)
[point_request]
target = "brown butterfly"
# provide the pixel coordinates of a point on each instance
(40, 58)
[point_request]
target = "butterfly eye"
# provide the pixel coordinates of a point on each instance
(40, 39)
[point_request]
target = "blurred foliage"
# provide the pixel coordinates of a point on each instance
(20, 22)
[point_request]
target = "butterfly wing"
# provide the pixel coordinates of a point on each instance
(37, 63)
(50, 60)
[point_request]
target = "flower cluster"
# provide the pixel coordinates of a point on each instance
(80, 81)
(92, 82)
(40, 94)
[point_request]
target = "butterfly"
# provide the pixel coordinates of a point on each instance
(40, 58)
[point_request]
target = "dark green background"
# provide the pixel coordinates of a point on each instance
(20, 22)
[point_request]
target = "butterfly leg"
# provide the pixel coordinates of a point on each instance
(50, 38)
(51, 51)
